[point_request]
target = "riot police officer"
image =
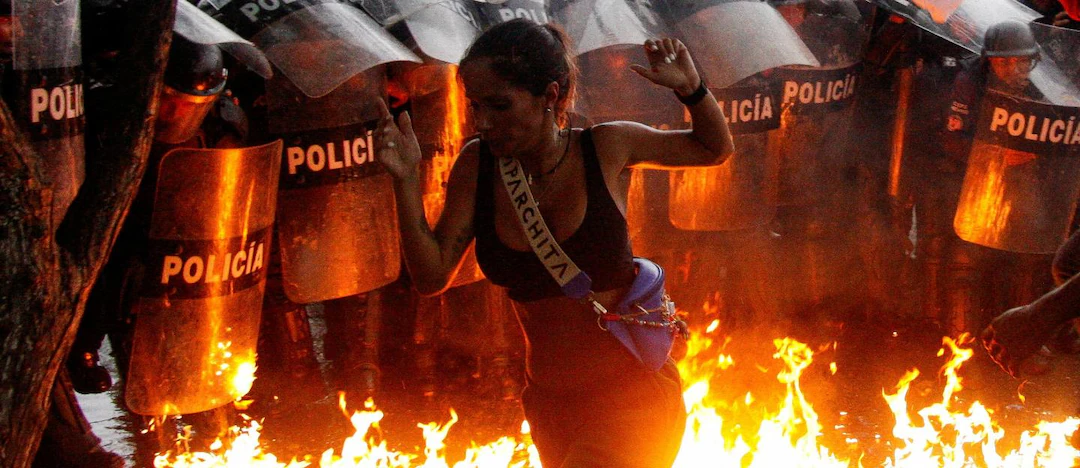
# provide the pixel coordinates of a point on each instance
(1009, 54)
(980, 279)
(194, 78)
(190, 115)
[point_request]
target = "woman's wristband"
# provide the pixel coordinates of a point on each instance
(694, 97)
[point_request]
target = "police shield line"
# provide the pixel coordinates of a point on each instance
(741, 193)
(730, 206)
(787, 75)
(218, 294)
(326, 163)
(991, 201)
(817, 98)
(332, 58)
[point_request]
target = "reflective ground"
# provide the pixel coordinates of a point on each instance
(305, 419)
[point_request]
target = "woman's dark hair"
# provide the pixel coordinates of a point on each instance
(529, 55)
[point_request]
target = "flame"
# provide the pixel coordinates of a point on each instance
(698, 189)
(451, 137)
(746, 431)
(434, 435)
(982, 213)
(244, 378)
(243, 450)
(944, 437)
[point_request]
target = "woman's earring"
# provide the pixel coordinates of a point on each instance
(547, 109)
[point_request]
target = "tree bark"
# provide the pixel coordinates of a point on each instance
(45, 279)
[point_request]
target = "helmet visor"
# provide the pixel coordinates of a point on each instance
(180, 115)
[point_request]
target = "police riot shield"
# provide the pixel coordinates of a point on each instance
(731, 42)
(817, 100)
(1055, 76)
(442, 29)
(595, 24)
(317, 44)
(1058, 47)
(439, 114)
(45, 91)
(385, 12)
(964, 22)
(337, 222)
(739, 193)
(1023, 172)
(608, 36)
(200, 28)
(493, 12)
(201, 292)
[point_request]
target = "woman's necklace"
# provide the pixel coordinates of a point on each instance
(550, 172)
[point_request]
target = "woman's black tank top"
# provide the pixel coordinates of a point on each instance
(599, 247)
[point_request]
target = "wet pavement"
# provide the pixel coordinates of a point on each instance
(303, 418)
(103, 410)
(871, 357)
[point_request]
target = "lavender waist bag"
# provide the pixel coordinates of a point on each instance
(644, 321)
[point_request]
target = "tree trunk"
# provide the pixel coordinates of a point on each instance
(45, 279)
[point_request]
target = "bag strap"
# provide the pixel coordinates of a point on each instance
(574, 283)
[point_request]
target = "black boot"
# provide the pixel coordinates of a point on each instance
(99, 319)
(287, 368)
(426, 332)
(351, 341)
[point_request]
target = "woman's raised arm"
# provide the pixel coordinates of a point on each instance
(707, 143)
(432, 257)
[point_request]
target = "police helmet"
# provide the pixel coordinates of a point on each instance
(193, 79)
(1009, 38)
(196, 69)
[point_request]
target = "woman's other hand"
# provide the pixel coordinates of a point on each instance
(395, 144)
(670, 66)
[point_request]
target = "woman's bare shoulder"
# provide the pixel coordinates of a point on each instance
(469, 157)
(615, 141)
(620, 128)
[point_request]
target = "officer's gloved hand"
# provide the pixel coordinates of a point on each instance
(1062, 20)
(1015, 340)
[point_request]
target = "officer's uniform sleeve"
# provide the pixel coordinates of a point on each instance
(960, 116)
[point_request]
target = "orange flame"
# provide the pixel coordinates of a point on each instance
(745, 431)
(982, 213)
(944, 437)
(450, 143)
(698, 188)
